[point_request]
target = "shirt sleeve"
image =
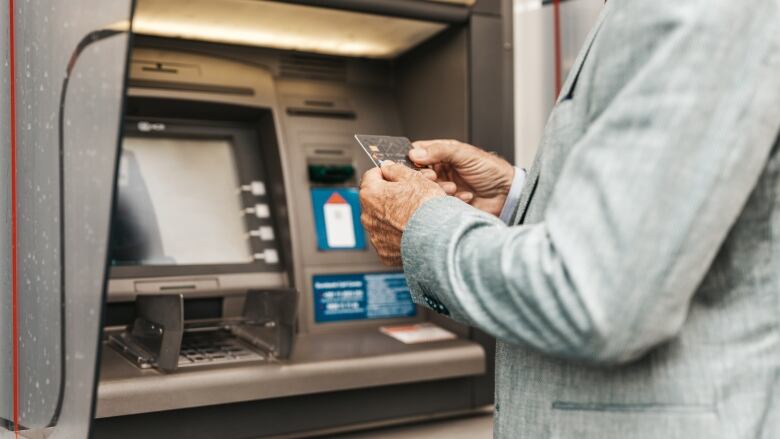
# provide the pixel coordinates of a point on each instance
(514, 195)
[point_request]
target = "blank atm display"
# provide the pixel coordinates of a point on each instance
(178, 203)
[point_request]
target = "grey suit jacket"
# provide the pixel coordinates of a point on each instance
(638, 293)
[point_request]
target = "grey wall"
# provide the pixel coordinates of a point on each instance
(534, 64)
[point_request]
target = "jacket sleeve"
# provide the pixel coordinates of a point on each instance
(643, 203)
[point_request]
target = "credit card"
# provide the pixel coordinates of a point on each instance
(382, 148)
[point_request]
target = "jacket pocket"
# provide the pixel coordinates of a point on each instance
(649, 407)
(634, 420)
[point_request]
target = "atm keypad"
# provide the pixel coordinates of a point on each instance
(212, 348)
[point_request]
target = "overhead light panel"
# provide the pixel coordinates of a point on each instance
(282, 26)
(457, 2)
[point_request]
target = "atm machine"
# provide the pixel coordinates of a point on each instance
(244, 299)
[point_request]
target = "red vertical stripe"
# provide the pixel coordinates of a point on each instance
(14, 243)
(557, 44)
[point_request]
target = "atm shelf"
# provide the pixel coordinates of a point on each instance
(319, 363)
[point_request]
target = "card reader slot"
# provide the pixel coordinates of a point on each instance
(178, 287)
(331, 114)
(189, 86)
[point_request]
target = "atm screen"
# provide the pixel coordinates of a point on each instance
(178, 203)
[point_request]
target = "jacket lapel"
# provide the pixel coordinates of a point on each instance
(566, 92)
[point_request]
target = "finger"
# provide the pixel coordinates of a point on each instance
(367, 222)
(430, 174)
(465, 196)
(373, 175)
(394, 172)
(449, 187)
(431, 152)
(442, 171)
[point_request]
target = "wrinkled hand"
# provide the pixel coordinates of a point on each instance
(475, 176)
(388, 197)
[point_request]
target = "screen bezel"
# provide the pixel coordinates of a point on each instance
(250, 166)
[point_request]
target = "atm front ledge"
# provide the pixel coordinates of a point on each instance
(320, 363)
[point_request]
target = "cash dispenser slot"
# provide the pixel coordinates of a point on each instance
(160, 338)
(321, 112)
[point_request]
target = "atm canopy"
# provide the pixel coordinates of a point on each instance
(359, 28)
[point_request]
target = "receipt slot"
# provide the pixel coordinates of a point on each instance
(243, 297)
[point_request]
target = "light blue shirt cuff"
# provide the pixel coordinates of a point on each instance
(514, 196)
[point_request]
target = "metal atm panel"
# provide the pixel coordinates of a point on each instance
(61, 101)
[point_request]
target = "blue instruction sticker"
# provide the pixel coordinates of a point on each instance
(337, 218)
(341, 297)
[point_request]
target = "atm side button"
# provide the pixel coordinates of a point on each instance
(257, 188)
(261, 211)
(265, 233)
(269, 256)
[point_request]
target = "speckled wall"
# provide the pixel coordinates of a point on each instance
(65, 162)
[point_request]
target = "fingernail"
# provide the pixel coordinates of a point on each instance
(418, 153)
(467, 197)
(386, 163)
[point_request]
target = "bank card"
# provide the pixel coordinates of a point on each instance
(382, 148)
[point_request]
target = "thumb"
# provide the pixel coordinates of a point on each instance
(433, 152)
(394, 172)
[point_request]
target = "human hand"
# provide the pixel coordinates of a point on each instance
(388, 197)
(475, 176)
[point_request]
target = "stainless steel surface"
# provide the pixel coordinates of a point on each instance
(319, 363)
(67, 137)
(6, 312)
